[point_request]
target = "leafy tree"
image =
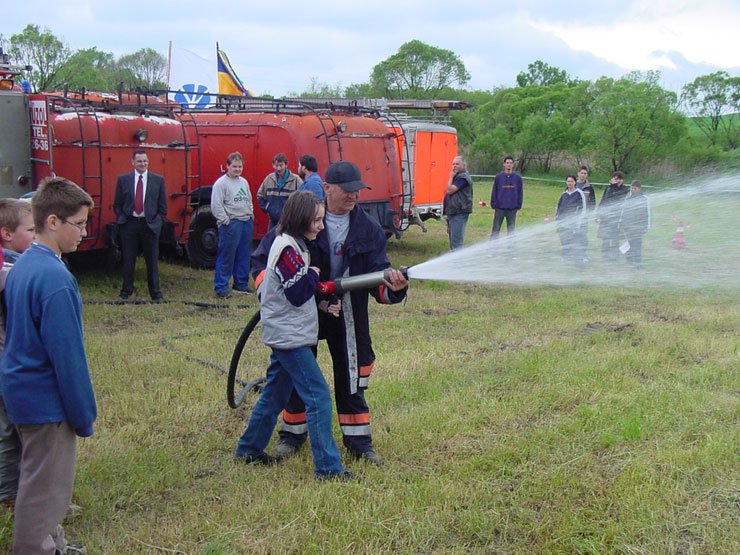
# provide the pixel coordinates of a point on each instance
(537, 118)
(144, 68)
(542, 74)
(541, 138)
(714, 100)
(488, 150)
(418, 70)
(44, 52)
(633, 120)
(361, 90)
(90, 69)
(319, 89)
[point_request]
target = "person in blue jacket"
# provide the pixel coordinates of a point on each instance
(350, 244)
(45, 377)
(308, 170)
(570, 215)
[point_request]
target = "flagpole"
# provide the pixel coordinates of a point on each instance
(169, 63)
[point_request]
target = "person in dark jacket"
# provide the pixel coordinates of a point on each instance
(608, 214)
(584, 185)
(458, 202)
(570, 215)
(634, 223)
(276, 188)
(140, 205)
(507, 195)
(351, 244)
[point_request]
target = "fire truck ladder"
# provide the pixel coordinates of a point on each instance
(92, 173)
(193, 167)
(331, 134)
(407, 186)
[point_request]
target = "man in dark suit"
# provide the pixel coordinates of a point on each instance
(140, 206)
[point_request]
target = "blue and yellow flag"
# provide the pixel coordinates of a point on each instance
(228, 81)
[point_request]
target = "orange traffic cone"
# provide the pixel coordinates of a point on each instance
(679, 241)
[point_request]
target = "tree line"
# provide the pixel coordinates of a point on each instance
(55, 66)
(548, 121)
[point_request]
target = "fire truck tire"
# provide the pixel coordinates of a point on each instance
(203, 240)
(232, 397)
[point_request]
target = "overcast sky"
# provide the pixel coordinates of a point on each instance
(277, 47)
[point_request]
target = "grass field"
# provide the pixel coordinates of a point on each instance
(512, 419)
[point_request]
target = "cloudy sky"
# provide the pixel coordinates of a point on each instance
(277, 48)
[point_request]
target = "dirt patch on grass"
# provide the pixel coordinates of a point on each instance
(593, 327)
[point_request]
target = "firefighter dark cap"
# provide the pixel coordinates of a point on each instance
(346, 175)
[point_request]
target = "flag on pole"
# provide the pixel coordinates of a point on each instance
(228, 80)
(191, 78)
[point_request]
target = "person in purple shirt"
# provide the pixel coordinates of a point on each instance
(507, 195)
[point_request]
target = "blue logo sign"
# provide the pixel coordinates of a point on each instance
(193, 96)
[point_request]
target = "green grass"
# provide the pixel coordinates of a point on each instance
(512, 419)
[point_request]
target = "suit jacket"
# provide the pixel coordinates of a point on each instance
(155, 202)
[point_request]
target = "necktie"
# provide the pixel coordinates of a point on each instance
(139, 196)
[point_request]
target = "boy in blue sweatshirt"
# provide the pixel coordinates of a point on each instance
(45, 378)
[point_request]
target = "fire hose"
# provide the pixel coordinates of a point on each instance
(334, 287)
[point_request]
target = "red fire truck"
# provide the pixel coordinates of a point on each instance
(89, 139)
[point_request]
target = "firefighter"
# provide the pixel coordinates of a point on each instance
(351, 244)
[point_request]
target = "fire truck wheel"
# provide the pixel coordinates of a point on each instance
(203, 240)
(246, 368)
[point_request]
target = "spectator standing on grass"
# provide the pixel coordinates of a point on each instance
(571, 217)
(634, 223)
(584, 185)
(290, 327)
(140, 205)
(45, 377)
(507, 196)
(351, 244)
(458, 202)
(308, 169)
(231, 205)
(276, 188)
(16, 235)
(608, 215)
